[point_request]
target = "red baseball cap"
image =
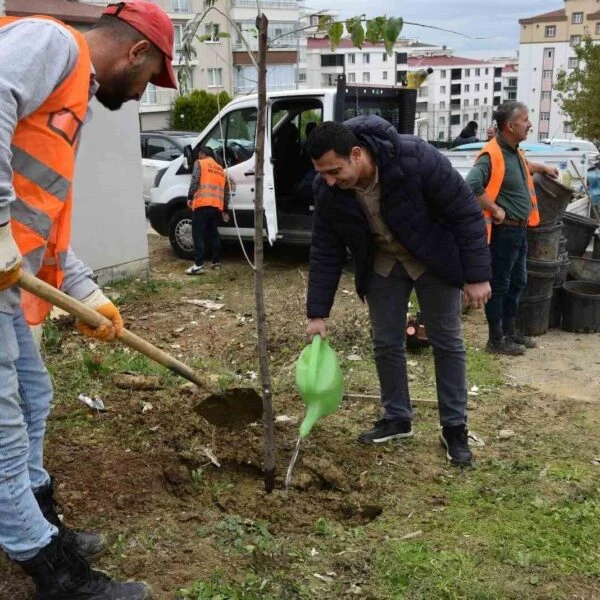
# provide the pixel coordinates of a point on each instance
(154, 24)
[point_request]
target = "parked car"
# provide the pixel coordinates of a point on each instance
(158, 149)
(574, 144)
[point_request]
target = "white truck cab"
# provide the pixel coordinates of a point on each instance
(288, 171)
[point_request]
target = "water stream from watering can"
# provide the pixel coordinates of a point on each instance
(288, 477)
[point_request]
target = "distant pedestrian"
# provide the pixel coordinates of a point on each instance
(502, 181)
(208, 197)
(467, 136)
(492, 130)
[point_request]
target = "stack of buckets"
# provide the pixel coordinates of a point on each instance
(547, 260)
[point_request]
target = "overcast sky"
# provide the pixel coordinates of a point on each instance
(495, 20)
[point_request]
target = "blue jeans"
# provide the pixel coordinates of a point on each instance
(439, 302)
(508, 249)
(205, 223)
(25, 396)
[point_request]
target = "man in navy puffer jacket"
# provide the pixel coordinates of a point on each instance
(409, 220)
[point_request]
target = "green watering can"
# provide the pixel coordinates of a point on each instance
(319, 381)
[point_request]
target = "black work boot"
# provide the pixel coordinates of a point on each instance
(514, 335)
(89, 545)
(60, 573)
(456, 442)
(498, 343)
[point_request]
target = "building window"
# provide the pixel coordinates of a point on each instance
(512, 82)
(546, 74)
(477, 86)
(454, 119)
(401, 58)
(442, 120)
(546, 95)
(332, 60)
(544, 116)
(512, 95)
(466, 103)
(467, 87)
(443, 74)
(384, 57)
(598, 28)
(466, 118)
(351, 77)
(477, 72)
(550, 31)
(568, 128)
(351, 59)
(215, 77)
(385, 75)
(149, 96)
(485, 101)
(301, 77)
(577, 18)
(549, 52)
(497, 86)
(366, 58)
(177, 29)
(475, 116)
(487, 72)
(442, 135)
(542, 137)
(485, 86)
(442, 89)
(573, 61)
(366, 77)
(476, 102)
(575, 40)
(467, 72)
(443, 105)
(213, 30)
(484, 115)
(181, 5)
(497, 71)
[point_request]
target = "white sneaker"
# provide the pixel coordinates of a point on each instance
(195, 270)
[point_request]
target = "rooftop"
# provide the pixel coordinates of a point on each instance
(445, 61)
(549, 17)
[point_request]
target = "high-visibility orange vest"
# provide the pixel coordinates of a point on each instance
(211, 187)
(43, 161)
(493, 149)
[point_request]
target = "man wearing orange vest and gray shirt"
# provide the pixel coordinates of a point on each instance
(48, 73)
(208, 197)
(502, 181)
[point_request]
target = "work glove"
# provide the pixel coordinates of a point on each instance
(100, 303)
(10, 258)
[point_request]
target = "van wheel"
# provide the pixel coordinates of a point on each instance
(180, 234)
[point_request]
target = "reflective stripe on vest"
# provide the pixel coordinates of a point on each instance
(43, 163)
(492, 190)
(211, 188)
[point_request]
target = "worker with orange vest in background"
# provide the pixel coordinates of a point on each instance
(208, 197)
(48, 74)
(503, 183)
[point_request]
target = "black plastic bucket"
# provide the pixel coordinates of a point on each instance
(543, 266)
(542, 242)
(539, 283)
(562, 244)
(533, 316)
(579, 231)
(555, 308)
(596, 252)
(553, 198)
(581, 306)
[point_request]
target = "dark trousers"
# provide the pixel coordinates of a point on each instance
(508, 249)
(205, 221)
(439, 302)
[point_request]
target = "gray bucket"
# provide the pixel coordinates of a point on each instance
(579, 231)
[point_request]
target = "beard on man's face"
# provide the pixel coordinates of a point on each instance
(118, 91)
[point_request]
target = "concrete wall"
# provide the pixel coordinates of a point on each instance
(109, 223)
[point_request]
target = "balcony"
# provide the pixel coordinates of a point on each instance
(265, 4)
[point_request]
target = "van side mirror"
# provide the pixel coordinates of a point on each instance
(188, 157)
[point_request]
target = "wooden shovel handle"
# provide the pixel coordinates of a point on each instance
(43, 290)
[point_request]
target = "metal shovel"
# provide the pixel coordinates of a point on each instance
(232, 408)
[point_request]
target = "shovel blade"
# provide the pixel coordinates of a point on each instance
(232, 408)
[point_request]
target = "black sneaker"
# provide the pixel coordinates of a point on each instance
(385, 430)
(456, 442)
(505, 346)
(522, 340)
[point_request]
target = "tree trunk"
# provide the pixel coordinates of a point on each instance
(268, 416)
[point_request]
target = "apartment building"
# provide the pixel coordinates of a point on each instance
(546, 47)
(457, 91)
(284, 44)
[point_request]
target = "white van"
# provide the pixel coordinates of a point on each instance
(288, 172)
